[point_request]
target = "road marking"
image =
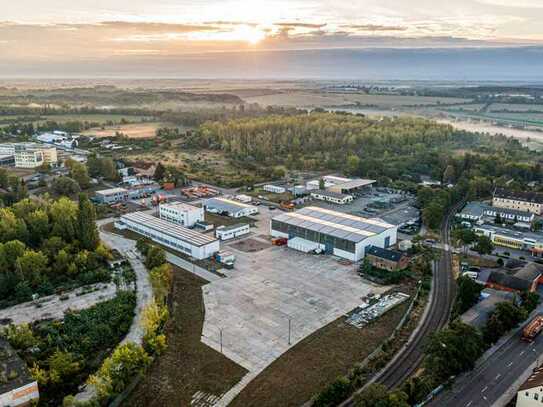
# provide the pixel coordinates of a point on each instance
(498, 376)
(485, 389)
(510, 363)
(469, 404)
(521, 353)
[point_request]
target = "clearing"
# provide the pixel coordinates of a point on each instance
(136, 131)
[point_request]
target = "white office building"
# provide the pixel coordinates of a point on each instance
(229, 207)
(336, 233)
(181, 214)
(233, 231)
(179, 238)
(30, 155)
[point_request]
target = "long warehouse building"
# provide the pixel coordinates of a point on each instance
(337, 233)
(169, 234)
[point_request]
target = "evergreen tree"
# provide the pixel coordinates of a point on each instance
(160, 171)
(86, 222)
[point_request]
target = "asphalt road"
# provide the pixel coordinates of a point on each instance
(490, 380)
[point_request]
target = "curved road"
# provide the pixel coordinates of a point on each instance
(442, 297)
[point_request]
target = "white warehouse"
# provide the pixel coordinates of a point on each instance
(176, 237)
(229, 207)
(337, 233)
(181, 214)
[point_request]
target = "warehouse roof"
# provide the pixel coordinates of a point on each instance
(227, 205)
(169, 229)
(356, 183)
(112, 191)
(533, 197)
(337, 224)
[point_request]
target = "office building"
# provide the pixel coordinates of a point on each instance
(319, 229)
(111, 196)
(179, 238)
(30, 155)
(332, 197)
(233, 231)
(181, 214)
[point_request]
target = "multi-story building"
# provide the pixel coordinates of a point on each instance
(318, 229)
(530, 394)
(112, 195)
(479, 212)
(181, 214)
(513, 239)
(30, 155)
(522, 201)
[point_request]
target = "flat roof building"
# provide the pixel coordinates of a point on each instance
(332, 197)
(30, 155)
(514, 239)
(17, 387)
(176, 237)
(523, 201)
(275, 189)
(112, 195)
(477, 211)
(337, 233)
(229, 207)
(352, 186)
(232, 231)
(181, 213)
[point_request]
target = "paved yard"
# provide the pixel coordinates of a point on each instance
(268, 288)
(52, 307)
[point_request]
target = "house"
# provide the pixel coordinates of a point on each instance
(530, 393)
(523, 201)
(17, 387)
(516, 276)
(386, 259)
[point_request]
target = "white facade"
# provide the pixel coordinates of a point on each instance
(176, 237)
(181, 214)
(274, 189)
(113, 195)
(21, 396)
(231, 232)
(331, 197)
(315, 184)
(30, 155)
(244, 198)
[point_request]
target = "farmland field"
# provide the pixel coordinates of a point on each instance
(138, 130)
(313, 99)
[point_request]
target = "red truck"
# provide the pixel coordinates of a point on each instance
(534, 328)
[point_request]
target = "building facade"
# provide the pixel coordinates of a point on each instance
(513, 239)
(179, 238)
(530, 394)
(332, 232)
(229, 207)
(112, 196)
(332, 197)
(231, 232)
(181, 214)
(386, 259)
(522, 201)
(274, 189)
(30, 155)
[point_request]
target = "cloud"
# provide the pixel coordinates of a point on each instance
(374, 27)
(300, 25)
(513, 3)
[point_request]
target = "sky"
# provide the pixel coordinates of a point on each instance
(70, 36)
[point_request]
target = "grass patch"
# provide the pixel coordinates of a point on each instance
(187, 366)
(317, 361)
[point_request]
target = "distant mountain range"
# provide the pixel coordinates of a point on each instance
(454, 64)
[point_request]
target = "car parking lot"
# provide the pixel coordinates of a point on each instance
(248, 313)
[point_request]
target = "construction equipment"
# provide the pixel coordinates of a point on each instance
(534, 327)
(287, 205)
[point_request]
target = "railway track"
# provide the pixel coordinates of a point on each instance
(442, 297)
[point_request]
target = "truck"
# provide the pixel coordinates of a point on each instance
(534, 328)
(279, 241)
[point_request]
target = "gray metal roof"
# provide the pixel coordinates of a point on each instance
(337, 224)
(330, 194)
(225, 205)
(170, 229)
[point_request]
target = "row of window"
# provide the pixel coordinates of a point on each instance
(322, 238)
(160, 239)
(536, 396)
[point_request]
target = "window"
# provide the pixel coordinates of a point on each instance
(536, 396)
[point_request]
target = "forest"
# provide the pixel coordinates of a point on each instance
(48, 246)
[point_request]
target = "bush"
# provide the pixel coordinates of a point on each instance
(334, 394)
(505, 317)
